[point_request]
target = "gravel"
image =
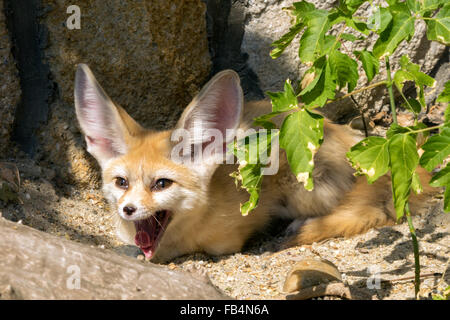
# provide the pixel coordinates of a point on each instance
(260, 270)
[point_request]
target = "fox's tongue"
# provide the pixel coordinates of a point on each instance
(149, 231)
(142, 239)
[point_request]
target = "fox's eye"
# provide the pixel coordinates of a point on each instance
(121, 183)
(161, 184)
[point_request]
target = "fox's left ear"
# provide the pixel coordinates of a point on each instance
(215, 112)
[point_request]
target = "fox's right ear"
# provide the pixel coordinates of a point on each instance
(106, 128)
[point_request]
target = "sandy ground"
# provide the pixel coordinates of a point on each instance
(260, 270)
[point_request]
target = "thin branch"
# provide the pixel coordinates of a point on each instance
(416, 252)
(362, 116)
(426, 129)
(426, 275)
(391, 93)
(357, 91)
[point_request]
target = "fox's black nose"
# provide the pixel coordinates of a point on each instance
(129, 210)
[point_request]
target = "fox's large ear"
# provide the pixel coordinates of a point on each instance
(107, 128)
(215, 112)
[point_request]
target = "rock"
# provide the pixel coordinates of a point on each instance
(9, 182)
(9, 86)
(337, 289)
(10, 174)
(226, 26)
(36, 265)
(405, 119)
(442, 76)
(266, 22)
(150, 56)
(310, 272)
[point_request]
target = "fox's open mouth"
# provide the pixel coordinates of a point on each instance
(149, 231)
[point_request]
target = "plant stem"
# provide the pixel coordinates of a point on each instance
(404, 98)
(426, 129)
(416, 252)
(358, 91)
(391, 93)
(424, 18)
(339, 36)
(407, 102)
(362, 116)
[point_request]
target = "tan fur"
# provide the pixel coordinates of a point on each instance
(340, 204)
(207, 214)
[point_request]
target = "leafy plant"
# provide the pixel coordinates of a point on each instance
(331, 69)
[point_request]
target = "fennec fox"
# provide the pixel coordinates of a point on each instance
(169, 208)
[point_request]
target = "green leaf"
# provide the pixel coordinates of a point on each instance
(447, 199)
(370, 64)
(445, 94)
(370, 157)
(415, 184)
(348, 37)
(322, 87)
(396, 129)
(403, 162)
(344, 69)
(352, 5)
(420, 126)
(347, 8)
(251, 179)
(249, 150)
(400, 28)
(442, 179)
(284, 100)
(438, 28)
(344, 12)
(301, 9)
(411, 72)
(413, 5)
(379, 20)
(357, 25)
(285, 40)
(436, 149)
(427, 7)
(447, 114)
(414, 70)
(301, 136)
(264, 120)
(413, 105)
(330, 43)
(312, 41)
